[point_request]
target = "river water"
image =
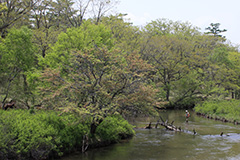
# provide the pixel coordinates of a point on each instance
(160, 144)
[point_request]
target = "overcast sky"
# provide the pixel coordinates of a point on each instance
(200, 13)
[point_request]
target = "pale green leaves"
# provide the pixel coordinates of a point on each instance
(17, 50)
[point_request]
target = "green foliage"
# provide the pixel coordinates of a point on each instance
(40, 134)
(214, 30)
(126, 36)
(166, 27)
(187, 90)
(77, 39)
(207, 107)
(187, 65)
(99, 49)
(169, 56)
(114, 128)
(220, 56)
(17, 50)
(89, 72)
(92, 71)
(13, 13)
(17, 57)
(221, 108)
(24, 132)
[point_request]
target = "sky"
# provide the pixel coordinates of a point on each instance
(199, 13)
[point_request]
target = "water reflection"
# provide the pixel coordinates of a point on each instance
(160, 144)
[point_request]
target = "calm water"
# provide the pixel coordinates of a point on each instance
(159, 144)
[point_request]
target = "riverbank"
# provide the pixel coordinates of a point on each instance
(167, 145)
(222, 110)
(44, 134)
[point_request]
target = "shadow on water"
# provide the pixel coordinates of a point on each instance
(160, 144)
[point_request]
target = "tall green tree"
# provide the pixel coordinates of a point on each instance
(227, 70)
(46, 25)
(182, 56)
(168, 55)
(91, 75)
(17, 58)
(166, 46)
(85, 36)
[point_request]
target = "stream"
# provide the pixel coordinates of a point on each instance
(160, 144)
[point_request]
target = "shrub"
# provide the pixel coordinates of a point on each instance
(37, 135)
(24, 132)
(114, 128)
(41, 134)
(221, 108)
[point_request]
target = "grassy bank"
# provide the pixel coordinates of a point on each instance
(229, 110)
(44, 134)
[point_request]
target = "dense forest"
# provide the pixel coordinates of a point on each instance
(69, 55)
(78, 57)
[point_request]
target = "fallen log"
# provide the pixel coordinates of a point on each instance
(169, 126)
(149, 126)
(165, 124)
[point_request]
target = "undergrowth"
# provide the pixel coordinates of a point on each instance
(44, 134)
(229, 109)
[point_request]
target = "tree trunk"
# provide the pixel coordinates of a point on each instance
(85, 143)
(167, 94)
(232, 95)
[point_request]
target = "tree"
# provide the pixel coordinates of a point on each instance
(227, 69)
(180, 56)
(235, 59)
(14, 12)
(168, 56)
(126, 36)
(3, 8)
(166, 46)
(46, 25)
(93, 76)
(165, 27)
(82, 9)
(73, 13)
(101, 7)
(17, 58)
(203, 69)
(214, 30)
(188, 90)
(85, 36)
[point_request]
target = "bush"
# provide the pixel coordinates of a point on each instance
(41, 134)
(23, 133)
(37, 135)
(114, 128)
(221, 108)
(208, 107)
